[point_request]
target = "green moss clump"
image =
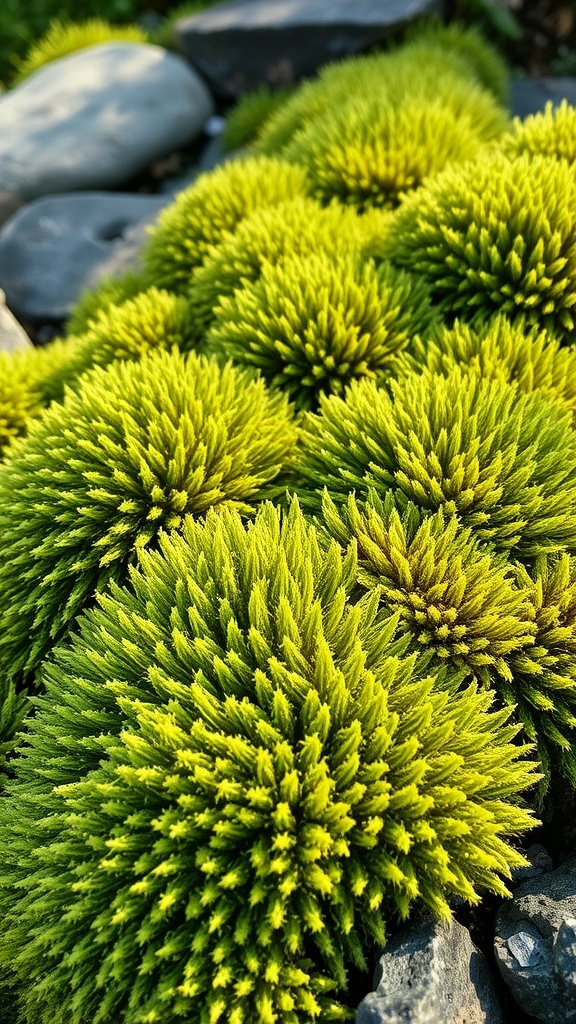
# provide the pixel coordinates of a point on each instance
(18, 401)
(466, 49)
(313, 324)
(495, 236)
(64, 38)
(154, 320)
(246, 119)
(417, 71)
(371, 151)
(98, 476)
(531, 359)
(300, 227)
(455, 598)
(544, 675)
(236, 779)
(502, 461)
(112, 291)
(551, 133)
(215, 204)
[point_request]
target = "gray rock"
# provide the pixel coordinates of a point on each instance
(535, 945)
(540, 862)
(564, 955)
(431, 973)
(55, 247)
(530, 95)
(96, 118)
(242, 44)
(12, 335)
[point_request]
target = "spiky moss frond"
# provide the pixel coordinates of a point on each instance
(13, 710)
(152, 321)
(513, 353)
(313, 324)
(112, 291)
(64, 38)
(298, 228)
(495, 236)
(544, 675)
(246, 119)
(138, 447)
(467, 48)
(215, 204)
(371, 153)
(503, 461)
(18, 400)
(455, 598)
(550, 133)
(249, 792)
(393, 77)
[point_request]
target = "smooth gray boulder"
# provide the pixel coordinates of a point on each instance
(97, 118)
(530, 95)
(535, 945)
(243, 44)
(13, 337)
(55, 247)
(431, 973)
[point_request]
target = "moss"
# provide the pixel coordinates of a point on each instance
(246, 119)
(313, 324)
(215, 204)
(112, 291)
(64, 38)
(136, 449)
(370, 151)
(527, 357)
(495, 236)
(503, 461)
(551, 133)
(250, 792)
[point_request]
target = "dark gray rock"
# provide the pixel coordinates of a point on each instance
(13, 337)
(96, 118)
(242, 44)
(535, 945)
(431, 973)
(55, 247)
(540, 861)
(530, 95)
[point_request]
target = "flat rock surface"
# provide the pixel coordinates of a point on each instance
(431, 973)
(242, 44)
(97, 118)
(55, 247)
(535, 937)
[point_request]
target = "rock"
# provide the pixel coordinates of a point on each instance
(55, 247)
(535, 945)
(12, 334)
(530, 95)
(431, 973)
(243, 44)
(540, 862)
(96, 118)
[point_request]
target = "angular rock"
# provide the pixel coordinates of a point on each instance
(431, 973)
(97, 118)
(12, 335)
(55, 247)
(243, 44)
(530, 95)
(535, 945)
